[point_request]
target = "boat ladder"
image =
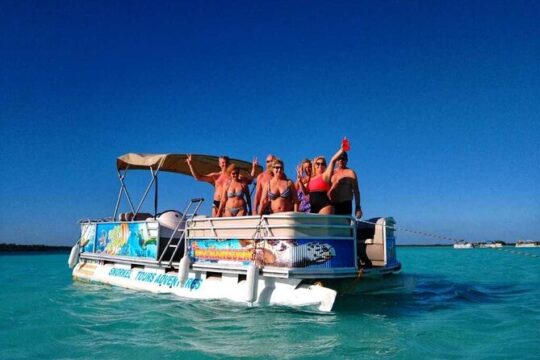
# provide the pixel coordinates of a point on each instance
(190, 211)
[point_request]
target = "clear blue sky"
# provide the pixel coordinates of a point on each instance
(440, 99)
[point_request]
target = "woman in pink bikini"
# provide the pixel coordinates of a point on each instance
(235, 198)
(319, 184)
(279, 192)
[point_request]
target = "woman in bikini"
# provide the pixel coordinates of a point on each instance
(319, 184)
(303, 172)
(279, 192)
(219, 179)
(236, 193)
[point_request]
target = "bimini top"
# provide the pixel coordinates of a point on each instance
(176, 163)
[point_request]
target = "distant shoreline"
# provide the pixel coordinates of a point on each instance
(424, 245)
(10, 248)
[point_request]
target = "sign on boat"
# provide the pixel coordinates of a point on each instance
(292, 259)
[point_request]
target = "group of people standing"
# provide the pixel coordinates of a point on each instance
(318, 188)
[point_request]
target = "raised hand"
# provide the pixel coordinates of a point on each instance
(299, 172)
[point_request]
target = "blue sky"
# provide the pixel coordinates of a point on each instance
(439, 99)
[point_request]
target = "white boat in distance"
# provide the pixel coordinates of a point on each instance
(490, 244)
(462, 244)
(292, 259)
(527, 244)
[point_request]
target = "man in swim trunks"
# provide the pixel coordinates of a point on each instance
(262, 179)
(216, 179)
(344, 188)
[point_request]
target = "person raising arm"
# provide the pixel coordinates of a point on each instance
(319, 184)
(216, 179)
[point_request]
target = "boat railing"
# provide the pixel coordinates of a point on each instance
(176, 242)
(282, 244)
(290, 226)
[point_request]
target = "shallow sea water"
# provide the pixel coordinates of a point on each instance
(474, 304)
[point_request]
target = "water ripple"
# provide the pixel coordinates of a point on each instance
(477, 314)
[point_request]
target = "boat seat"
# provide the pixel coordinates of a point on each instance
(370, 242)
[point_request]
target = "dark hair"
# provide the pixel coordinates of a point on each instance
(344, 156)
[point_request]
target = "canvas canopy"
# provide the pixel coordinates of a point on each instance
(176, 163)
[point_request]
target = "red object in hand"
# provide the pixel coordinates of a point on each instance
(345, 145)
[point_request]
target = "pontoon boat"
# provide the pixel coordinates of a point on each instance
(292, 259)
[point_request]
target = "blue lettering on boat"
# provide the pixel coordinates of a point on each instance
(145, 276)
(167, 280)
(192, 284)
(123, 273)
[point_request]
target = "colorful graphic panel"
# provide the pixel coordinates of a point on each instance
(88, 237)
(123, 239)
(229, 251)
(303, 253)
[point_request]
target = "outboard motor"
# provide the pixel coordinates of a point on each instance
(171, 227)
(169, 221)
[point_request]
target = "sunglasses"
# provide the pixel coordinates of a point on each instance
(268, 161)
(320, 163)
(278, 167)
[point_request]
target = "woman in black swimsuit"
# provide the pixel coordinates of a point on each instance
(279, 192)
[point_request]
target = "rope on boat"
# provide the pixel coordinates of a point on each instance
(437, 236)
(257, 236)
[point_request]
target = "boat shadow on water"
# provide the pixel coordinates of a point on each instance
(425, 293)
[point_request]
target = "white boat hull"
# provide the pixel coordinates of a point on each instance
(463, 246)
(527, 245)
(270, 291)
(298, 260)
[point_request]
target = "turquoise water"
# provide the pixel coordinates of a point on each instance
(475, 304)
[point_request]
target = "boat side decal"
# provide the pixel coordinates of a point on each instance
(304, 253)
(119, 239)
(88, 237)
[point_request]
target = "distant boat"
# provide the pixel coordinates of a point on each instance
(490, 244)
(462, 244)
(528, 243)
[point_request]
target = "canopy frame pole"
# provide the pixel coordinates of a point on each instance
(154, 177)
(123, 189)
(117, 203)
(155, 197)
